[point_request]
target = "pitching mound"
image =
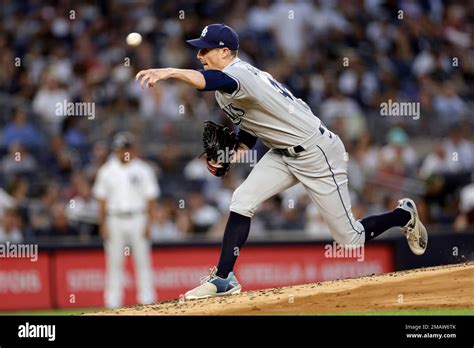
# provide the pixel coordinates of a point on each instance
(437, 287)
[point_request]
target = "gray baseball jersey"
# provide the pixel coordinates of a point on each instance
(263, 107)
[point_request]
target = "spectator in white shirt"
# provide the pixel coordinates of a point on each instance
(163, 227)
(459, 151)
(10, 227)
(45, 103)
(82, 210)
(465, 218)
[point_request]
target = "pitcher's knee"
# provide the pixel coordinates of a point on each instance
(349, 235)
(350, 238)
(243, 202)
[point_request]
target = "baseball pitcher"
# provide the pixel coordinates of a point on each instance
(302, 149)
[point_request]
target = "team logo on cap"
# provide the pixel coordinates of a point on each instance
(204, 32)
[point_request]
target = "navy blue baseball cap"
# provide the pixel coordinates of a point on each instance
(217, 36)
(122, 140)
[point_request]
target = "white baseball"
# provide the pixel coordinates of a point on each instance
(134, 39)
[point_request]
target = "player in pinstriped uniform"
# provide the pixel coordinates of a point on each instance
(302, 150)
(126, 188)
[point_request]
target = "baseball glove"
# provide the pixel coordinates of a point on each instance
(219, 143)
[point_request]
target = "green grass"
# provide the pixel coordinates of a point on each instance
(420, 311)
(48, 312)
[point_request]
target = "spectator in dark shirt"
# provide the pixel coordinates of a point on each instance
(40, 212)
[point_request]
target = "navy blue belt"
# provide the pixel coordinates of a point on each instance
(286, 152)
(297, 149)
(125, 214)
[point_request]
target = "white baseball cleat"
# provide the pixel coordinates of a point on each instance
(414, 230)
(212, 286)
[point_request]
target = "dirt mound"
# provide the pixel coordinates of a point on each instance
(436, 287)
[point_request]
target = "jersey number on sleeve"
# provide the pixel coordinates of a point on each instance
(283, 91)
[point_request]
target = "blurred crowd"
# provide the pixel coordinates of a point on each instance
(344, 58)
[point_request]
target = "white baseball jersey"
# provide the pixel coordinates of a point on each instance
(126, 187)
(266, 109)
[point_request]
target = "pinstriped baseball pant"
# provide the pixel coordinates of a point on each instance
(124, 233)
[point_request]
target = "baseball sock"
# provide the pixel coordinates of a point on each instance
(235, 236)
(377, 224)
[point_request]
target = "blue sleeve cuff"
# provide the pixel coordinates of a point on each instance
(248, 139)
(217, 80)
